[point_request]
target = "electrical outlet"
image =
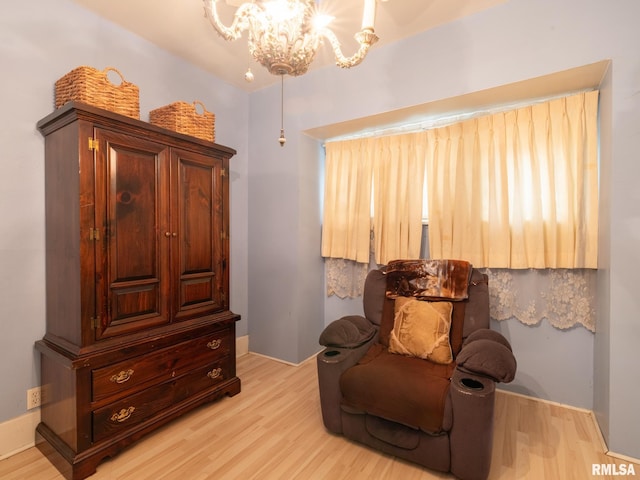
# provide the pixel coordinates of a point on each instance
(34, 398)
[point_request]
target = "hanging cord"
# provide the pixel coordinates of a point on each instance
(248, 76)
(282, 140)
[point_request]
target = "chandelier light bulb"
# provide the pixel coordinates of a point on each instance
(369, 15)
(322, 20)
(248, 75)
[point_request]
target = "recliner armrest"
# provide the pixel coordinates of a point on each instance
(332, 362)
(348, 332)
(472, 400)
(487, 353)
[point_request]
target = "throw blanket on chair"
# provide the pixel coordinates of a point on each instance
(429, 279)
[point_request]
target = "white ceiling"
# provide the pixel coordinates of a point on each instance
(180, 27)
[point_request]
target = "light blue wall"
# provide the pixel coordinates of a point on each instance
(552, 364)
(602, 344)
(618, 351)
(286, 273)
(40, 41)
(515, 41)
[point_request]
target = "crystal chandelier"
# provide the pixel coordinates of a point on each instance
(284, 35)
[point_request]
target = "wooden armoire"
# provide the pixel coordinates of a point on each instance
(139, 329)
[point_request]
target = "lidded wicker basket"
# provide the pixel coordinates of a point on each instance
(93, 87)
(183, 117)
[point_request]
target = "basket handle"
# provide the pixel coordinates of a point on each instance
(199, 103)
(114, 69)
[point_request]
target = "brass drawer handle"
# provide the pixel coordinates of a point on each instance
(215, 344)
(215, 373)
(123, 415)
(122, 377)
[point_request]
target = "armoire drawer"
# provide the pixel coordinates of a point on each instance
(129, 411)
(123, 378)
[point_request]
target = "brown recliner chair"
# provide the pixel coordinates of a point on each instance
(418, 407)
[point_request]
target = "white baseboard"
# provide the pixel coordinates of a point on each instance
(19, 433)
(542, 400)
(242, 345)
(285, 361)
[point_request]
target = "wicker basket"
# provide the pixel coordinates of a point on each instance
(183, 117)
(93, 87)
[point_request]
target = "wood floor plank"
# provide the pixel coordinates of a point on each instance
(273, 430)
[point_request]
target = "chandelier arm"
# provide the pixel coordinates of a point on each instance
(366, 38)
(240, 19)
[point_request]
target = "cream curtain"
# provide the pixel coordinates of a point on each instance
(391, 171)
(517, 189)
(398, 180)
(346, 222)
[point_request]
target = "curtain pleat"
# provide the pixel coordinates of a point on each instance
(347, 200)
(398, 179)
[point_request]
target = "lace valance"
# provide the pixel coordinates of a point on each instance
(564, 297)
(345, 278)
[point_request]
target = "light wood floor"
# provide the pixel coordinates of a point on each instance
(273, 430)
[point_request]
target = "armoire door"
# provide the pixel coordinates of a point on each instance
(197, 228)
(133, 234)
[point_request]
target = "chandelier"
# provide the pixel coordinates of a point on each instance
(284, 35)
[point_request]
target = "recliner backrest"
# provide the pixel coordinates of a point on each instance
(477, 309)
(373, 296)
(375, 304)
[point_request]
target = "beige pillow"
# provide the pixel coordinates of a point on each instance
(421, 329)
